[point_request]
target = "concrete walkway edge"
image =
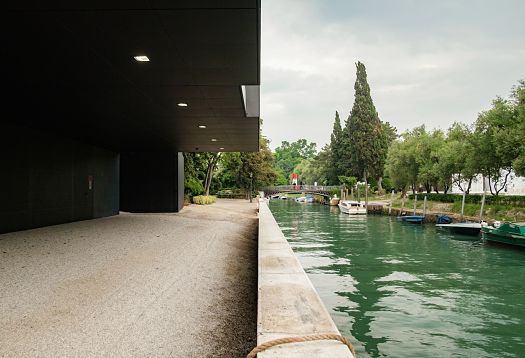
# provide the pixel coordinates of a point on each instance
(288, 304)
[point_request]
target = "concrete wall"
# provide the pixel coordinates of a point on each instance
(288, 304)
(151, 181)
(45, 179)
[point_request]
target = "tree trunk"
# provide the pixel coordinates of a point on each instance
(366, 192)
(379, 186)
(209, 172)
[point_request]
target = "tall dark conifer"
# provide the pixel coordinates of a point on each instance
(336, 151)
(364, 135)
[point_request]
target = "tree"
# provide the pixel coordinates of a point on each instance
(401, 163)
(337, 151)
(496, 147)
(288, 155)
(364, 133)
(211, 160)
(241, 170)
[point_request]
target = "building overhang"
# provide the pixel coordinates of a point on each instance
(70, 68)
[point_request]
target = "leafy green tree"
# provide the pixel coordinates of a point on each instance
(458, 159)
(402, 166)
(288, 155)
(248, 169)
(496, 147)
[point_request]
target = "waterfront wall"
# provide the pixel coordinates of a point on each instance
(288, 305)
(430, 217)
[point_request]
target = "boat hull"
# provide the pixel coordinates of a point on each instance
(494, 235)
(462, 228)
(414, 219)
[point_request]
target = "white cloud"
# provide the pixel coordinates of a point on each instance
(423, 67)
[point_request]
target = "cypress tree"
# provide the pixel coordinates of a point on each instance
(336, 151)
(364, 135)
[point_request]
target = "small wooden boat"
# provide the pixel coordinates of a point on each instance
(462, 228)
(506, 233)
(334, 201)
(415, 219)
(351, 207)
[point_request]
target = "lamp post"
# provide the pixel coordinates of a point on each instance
(251, 186)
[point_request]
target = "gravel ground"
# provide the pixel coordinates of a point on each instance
(180, 285)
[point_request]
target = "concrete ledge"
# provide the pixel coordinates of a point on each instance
(288, 304)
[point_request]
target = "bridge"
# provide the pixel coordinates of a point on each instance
(324, 190)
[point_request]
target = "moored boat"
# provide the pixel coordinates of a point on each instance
(462, 228)
(334, 201)
(506, 233)
(415, 219)
(351, 207)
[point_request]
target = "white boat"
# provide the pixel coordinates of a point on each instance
(334, 201)
(309, 198)
(283, 197)
(301, 199)
(351, 207)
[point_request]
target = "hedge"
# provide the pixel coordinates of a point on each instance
(511, 200)
(204, 200)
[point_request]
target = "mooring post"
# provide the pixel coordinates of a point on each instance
(425, 206)
(402, 203)
(463, 205)
(482, 206)
(391, 202)
(415, 203)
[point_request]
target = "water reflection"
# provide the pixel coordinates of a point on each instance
(399, 289)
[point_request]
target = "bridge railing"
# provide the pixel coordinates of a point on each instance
(310, 188)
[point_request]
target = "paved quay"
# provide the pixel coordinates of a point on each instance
(145, 285)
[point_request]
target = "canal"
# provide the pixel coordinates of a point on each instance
(403, 290)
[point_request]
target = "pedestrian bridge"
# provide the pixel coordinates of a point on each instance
(324, 190)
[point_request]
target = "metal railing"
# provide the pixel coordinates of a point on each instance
(325, 189)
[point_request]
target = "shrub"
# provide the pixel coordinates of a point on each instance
(511, 200)
(193, 186)
(204, 200)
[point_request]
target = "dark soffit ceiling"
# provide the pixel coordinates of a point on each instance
(69, 68)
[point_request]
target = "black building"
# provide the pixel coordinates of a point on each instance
(101, 98)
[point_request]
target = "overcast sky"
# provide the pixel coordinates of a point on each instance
(428, 62)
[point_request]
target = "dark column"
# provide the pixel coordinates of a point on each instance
(47, 179)
(151, 182)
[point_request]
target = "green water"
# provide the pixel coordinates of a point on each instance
(404, 290)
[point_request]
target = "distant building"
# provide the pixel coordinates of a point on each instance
(515, 186)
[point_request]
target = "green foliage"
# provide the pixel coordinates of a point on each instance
(248, 169)
(365, 139)
(193, 186)
(508, 200)
(348, 182)
(289, 155)
(336, 152)
(204, 199)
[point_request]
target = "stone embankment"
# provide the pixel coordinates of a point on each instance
(288, 304)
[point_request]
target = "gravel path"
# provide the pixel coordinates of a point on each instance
(180, 285)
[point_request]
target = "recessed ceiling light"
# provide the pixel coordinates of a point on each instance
(202, 126)
(213, 139)
(182, 104)
(221, 148)
(141, 58)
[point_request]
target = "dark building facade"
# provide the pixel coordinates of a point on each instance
(102, 98)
